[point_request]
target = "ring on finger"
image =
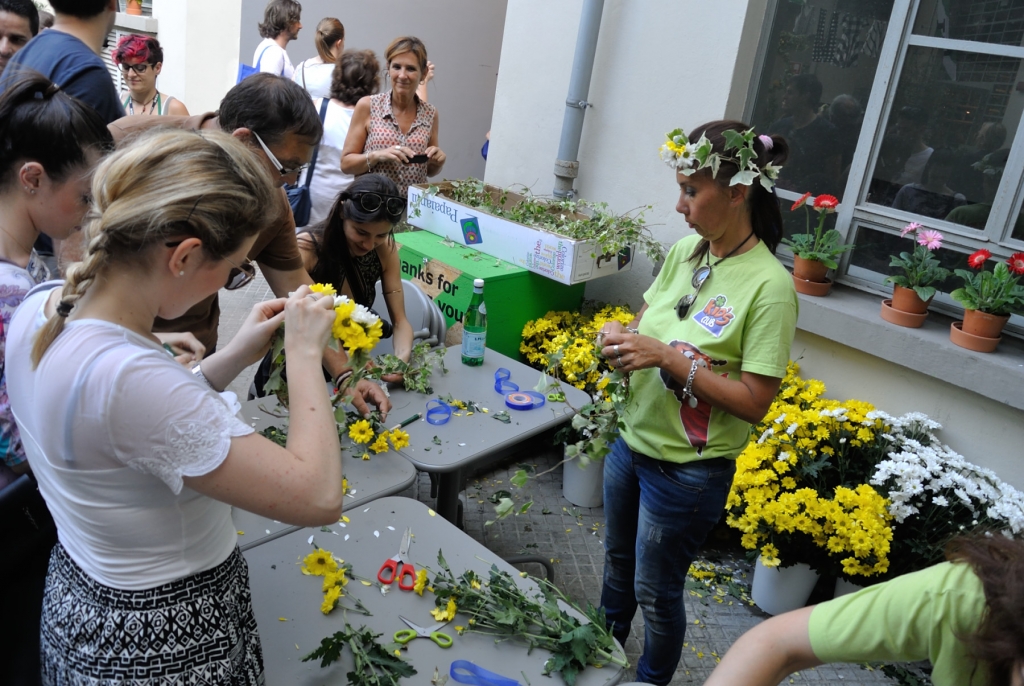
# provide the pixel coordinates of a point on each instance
(315, 296)
(616, 349)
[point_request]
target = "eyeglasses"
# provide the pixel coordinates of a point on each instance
(240, 274)
(700, 275)
(137, 68)
(277, 163)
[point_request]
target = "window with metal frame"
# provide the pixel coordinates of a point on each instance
(939, 85)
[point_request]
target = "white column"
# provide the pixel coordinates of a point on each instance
(200, 42)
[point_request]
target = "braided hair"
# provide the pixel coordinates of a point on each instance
(165, 184)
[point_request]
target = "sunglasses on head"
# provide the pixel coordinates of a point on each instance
(371, 202)
(700, 275)
(240, 274)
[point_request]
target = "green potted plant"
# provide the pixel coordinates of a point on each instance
(988, 297)
(913, 290)
(815, 253)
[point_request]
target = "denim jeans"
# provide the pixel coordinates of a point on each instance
(658, 514)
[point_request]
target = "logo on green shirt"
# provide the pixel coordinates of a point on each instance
(715, 316)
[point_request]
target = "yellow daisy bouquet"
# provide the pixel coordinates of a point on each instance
(372, 435)
(572, 335)
(801, 491)
(355, 328)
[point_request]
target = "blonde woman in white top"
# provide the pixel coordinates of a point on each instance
(139, 459)
(316, 73)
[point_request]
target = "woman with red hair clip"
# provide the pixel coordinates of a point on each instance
(140, 59)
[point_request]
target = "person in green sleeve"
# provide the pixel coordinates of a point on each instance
(965, 616)
(706, 353)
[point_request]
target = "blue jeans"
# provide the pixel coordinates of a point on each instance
(658, 514)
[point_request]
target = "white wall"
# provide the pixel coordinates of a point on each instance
(659, 64)
(200, 41)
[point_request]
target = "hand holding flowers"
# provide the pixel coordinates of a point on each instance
(921, 268)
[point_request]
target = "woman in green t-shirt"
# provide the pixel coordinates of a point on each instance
(965, 616)
(705, 366)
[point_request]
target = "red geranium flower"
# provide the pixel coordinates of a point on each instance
(1016, 263)
(800, 202)
(977, 259)
(826, 203)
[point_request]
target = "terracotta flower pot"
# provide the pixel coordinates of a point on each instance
(809, 270)
(133, 7)
(907, 300)
(978, 344)
(901, 318)
(983, 324)
(811, 287)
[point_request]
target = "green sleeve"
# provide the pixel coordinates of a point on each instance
(916, 616)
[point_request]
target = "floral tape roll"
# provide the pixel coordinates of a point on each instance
(438, 412)
(524, 400)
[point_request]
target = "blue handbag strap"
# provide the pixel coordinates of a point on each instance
(260, 59)
(312, 163)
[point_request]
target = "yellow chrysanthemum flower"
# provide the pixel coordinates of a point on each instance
(445, 614)
(380, 445)
(361, 431)
(319, 563)
(330, 599)
(421, 581)
(399, 439)
(324, 288)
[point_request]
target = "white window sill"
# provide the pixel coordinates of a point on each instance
(135, 22)
(851, 317)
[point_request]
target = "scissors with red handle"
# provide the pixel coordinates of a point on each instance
(398, 568)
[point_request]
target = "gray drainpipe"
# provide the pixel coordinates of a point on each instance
(567, 165)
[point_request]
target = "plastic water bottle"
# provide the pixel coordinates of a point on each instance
(474, 327)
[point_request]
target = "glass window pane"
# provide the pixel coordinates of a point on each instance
(953, 120)
(818, 72)
(875, 248)
(985, 21)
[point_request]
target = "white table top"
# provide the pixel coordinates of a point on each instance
(466, 439)
(281, 591)
(382, 475)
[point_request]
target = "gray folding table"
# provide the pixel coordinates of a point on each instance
(471, 439)
(384, 474)
(291, 625)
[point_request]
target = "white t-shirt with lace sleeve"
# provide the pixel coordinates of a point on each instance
(111, 424)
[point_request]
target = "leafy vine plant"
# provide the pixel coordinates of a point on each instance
(578, 220)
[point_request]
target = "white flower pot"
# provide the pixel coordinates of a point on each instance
(583, 486)
(777, 590)
(844, 587)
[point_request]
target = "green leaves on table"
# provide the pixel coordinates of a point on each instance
(375, 664)
(416, 372)
(498, 607)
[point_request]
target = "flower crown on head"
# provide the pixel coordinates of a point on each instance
(686, 157)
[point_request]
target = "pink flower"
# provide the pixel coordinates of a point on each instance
(767, 142)
(909, 228)
(930, 239)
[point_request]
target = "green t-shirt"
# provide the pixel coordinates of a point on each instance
(913, 617)
(744, 321)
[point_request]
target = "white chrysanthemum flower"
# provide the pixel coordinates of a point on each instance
(364, 316)
(340, 300)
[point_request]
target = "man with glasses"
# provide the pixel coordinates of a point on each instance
(276, 118)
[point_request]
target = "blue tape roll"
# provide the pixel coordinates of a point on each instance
(501, 381)
(465, 672)
(524, 400)
(438, 413)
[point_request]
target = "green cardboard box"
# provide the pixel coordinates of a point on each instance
(445, 271)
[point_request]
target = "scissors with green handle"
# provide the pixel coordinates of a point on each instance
(403, 636)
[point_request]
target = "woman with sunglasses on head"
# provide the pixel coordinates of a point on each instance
(706, 353)
(49, 144)
(395, 133)
(352, 250)
(141, 59)
(139, 459)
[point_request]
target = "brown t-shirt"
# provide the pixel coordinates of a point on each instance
(275, 247)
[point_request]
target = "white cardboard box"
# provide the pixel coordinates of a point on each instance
(556, 257)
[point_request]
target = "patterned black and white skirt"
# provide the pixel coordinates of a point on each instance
(199, 631)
